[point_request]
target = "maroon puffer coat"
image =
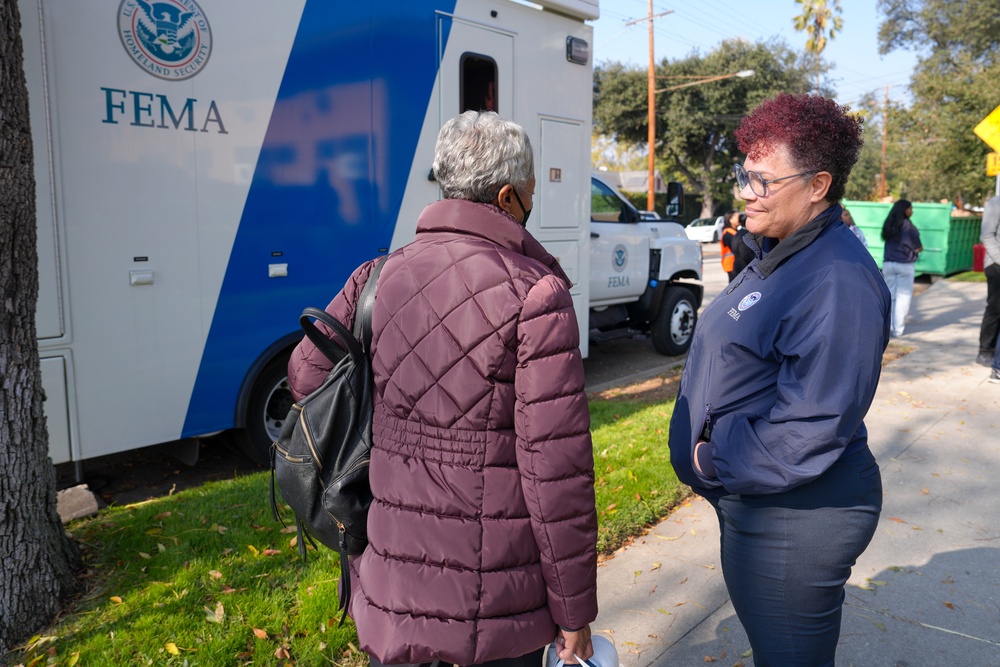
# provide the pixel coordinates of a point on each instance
(483, 530)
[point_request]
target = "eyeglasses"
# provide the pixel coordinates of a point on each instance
(757, 183)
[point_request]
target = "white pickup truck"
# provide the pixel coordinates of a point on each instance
(645, 275)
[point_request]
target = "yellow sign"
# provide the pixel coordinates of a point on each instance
(989, 130)
(993, 164)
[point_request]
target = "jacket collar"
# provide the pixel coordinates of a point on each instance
(487, 222)
(777, 252)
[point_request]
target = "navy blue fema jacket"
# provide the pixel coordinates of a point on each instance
(784, 364)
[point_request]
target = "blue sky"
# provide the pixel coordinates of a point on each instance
(702, 25)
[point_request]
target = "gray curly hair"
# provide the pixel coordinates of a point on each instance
(477, 153)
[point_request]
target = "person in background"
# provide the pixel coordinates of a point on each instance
(743, 253)
(849, 221)
(989, 235)
(769, 420)
(483, 530)
(725, 249)
(902, 248)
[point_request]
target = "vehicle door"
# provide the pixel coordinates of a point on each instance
(619, 248)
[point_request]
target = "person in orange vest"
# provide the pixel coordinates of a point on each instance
(725, 245)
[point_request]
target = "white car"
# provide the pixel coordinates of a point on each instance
(706, 230)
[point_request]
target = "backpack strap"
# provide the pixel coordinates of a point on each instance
(366, 302)
(329, 348)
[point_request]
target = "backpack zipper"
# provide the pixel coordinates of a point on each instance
(288, 455)
(309, 440)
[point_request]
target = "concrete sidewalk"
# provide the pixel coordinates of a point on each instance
(927, 590)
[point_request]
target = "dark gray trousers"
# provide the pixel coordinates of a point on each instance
(787, 556)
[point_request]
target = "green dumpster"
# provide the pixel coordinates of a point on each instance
(947, 241)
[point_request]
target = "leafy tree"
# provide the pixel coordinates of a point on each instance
(955, 85)
(893, 121)
(821, 22)
(605, 152)
(695, 124)
(36, 568)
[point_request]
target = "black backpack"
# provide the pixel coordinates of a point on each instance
(320, 459)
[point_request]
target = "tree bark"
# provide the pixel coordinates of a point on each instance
(38, 558)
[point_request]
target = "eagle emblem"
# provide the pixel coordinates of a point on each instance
(619, 258)
(170, 39)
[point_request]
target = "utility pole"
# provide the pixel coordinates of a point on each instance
(651, 110)
(885, 136)
(651, 102)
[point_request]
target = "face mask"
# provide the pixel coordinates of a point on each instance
(527, 212)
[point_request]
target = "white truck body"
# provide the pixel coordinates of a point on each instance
(645, 275)
(206, 171)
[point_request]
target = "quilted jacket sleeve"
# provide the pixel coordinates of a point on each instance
(308, 367)
(554, 451)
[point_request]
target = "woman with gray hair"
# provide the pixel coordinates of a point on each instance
(483, 531)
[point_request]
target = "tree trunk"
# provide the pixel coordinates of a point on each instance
(707, 203)
(36, 568)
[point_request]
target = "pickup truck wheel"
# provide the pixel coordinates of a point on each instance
(673, 327)
(270, 401)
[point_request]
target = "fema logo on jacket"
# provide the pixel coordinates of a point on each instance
(170, 39)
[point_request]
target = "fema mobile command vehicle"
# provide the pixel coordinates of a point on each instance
(207, 170)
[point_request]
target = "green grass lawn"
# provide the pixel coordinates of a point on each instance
(969, 277)
(207, 577)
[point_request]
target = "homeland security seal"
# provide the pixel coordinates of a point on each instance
(619, 258)
(170, 39)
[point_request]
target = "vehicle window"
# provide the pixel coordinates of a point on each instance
(477, 83)
(605, 206)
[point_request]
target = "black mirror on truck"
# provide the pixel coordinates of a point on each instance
(675, 200)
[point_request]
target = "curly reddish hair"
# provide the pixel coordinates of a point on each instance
(820, 135)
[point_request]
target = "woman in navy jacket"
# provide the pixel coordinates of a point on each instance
(768, 424)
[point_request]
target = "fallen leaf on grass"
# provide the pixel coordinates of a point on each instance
(73, 659)
(271, 552)
(216, 616)
(259, 634)
(172, 648)
(116, 599)
(281, 654)
(288, 529)
(253, 549)
(145, 555)
(161, 516)
(215, 574)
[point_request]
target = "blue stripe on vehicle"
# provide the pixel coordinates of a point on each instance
(343, 214)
